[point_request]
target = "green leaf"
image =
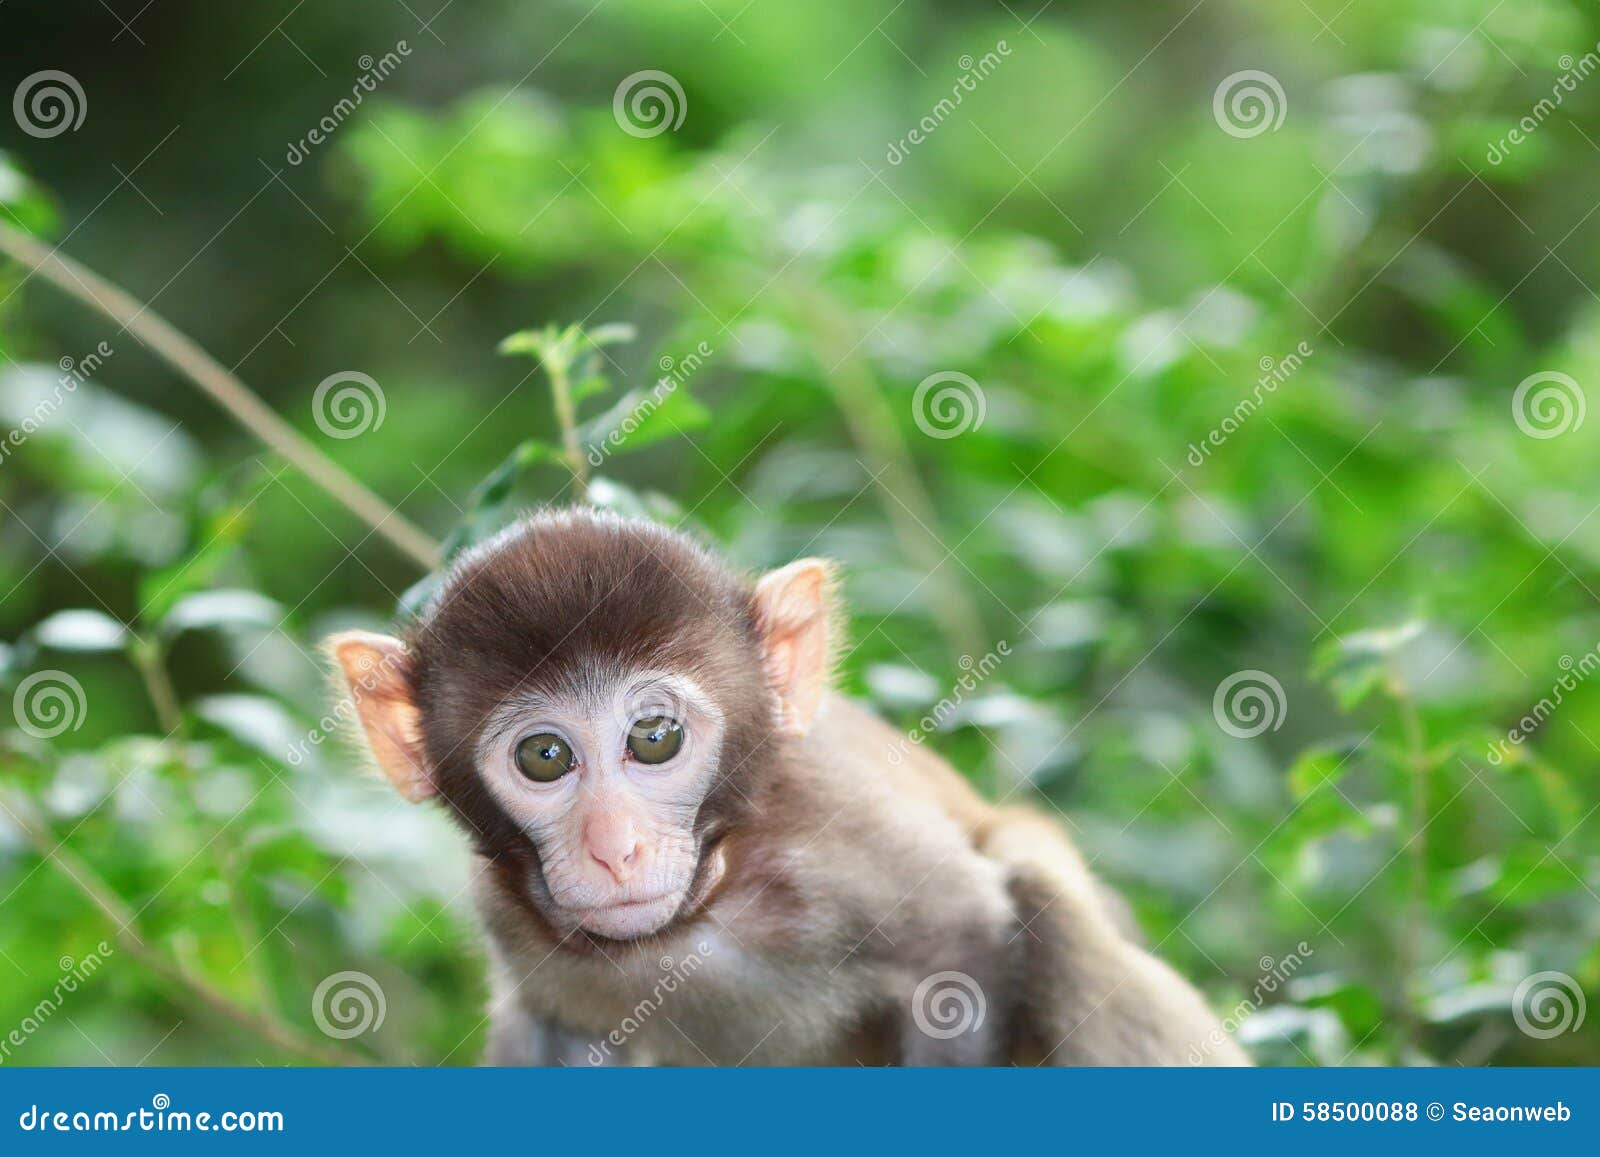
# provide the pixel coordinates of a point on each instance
(611, 333)
(259, 723)
(536, 343)
(1356, 665)
(81, 630)
(485, 505)
(220, 537)
(642, 417)
(608, 494)
(221, 610)
(588, 387)
(1319, 767)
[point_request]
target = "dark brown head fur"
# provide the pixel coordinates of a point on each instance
(559, 598)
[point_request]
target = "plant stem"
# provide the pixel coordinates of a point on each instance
(559, 369)
(151, 663)
(1417, 770)
(902, 496)
(270, 1028)
(224, 388)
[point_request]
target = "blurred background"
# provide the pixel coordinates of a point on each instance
(1193, 393)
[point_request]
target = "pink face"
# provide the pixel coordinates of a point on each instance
(607, 785)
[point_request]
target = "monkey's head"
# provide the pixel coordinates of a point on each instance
(595, 699)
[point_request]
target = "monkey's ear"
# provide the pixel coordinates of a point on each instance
(375, 675)
(796, 610)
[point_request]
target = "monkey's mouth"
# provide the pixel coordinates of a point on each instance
(630, 919)
(633, 919)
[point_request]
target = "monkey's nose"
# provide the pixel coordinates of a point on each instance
(614, 845)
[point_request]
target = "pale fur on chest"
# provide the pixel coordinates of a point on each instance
(695, 997)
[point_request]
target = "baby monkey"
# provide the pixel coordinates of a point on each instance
(689, 850)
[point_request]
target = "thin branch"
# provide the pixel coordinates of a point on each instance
(83, 877)
(903, 498)
(223, 387)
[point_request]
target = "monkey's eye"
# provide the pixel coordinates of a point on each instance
(544, 757)
(655, 739)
